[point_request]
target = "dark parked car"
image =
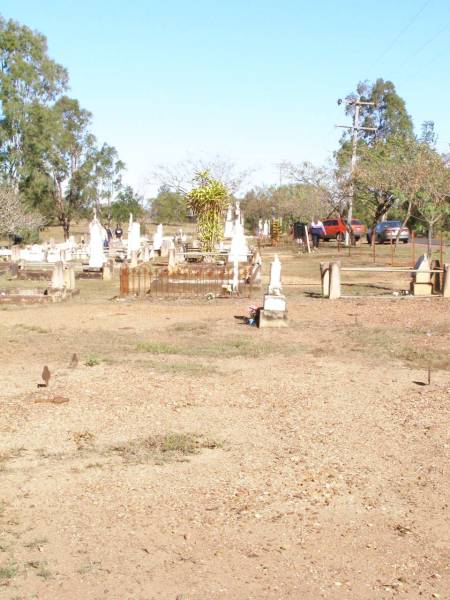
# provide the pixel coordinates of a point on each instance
(388, 230)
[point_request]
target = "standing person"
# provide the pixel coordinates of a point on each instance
(317, 231)
(118, 232)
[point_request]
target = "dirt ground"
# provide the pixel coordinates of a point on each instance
(187, 456)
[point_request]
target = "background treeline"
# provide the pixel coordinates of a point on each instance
(53, 170)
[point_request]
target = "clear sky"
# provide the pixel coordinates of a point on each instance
(255, 81)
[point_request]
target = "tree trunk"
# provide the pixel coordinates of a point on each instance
(66, 229)
(430, 237)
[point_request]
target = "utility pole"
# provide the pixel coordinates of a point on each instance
(355, 128)
(281, 168)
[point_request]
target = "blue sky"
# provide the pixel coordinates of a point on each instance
(253, 81)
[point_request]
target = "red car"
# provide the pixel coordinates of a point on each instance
(335, 229)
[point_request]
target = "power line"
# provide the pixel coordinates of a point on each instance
(427, 43)
(399, 35)
(416, 72)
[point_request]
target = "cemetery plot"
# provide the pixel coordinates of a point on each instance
(190, 281)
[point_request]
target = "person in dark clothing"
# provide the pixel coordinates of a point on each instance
(317, 231)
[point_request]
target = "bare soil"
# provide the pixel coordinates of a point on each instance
(188, 456)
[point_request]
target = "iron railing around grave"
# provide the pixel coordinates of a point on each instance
(192, 280)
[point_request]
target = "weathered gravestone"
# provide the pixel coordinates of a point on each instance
(421, 283)
(273, 313)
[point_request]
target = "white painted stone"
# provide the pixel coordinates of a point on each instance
(58, 276)
(158, 237)
(228, 231)
(96, 250)
(274, 303)
(275, 277)
(239, 250)
(423, 264)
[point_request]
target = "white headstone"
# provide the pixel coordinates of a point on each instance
(158, 237)
(266, 228)
(275, 277)
(239, 248)
(423, 264)
(58, 276)
(96, 250)
(228, 232)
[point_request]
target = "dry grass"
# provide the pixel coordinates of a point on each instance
(412, 347)
(8, 571)
(36, 544)
(161, 448)
(215, 348)
(83, 439)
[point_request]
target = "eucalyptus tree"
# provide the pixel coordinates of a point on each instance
(28, 78)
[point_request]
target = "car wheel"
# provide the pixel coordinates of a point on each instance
(369, 239)
(405, 241)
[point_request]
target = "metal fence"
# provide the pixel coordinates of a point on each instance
(193, 280)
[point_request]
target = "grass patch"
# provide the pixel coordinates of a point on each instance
(406, 346)
(214, 349)
(190, 327)
(424, 358)
(161, 448)
(8, 572)
(159, 348)
(194, 368)
(92, 361)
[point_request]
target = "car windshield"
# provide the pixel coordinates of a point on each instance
(392, 223)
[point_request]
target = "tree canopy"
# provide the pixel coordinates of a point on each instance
(47, 149)
(169, 207)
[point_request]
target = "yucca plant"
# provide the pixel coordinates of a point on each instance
(208, 201)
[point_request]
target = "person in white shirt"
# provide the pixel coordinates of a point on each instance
(317, 231)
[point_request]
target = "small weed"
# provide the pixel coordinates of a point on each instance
(8, 571)
(33, 328)
(41, 568)
(36, 544)
(83, 439)
(92, 361)
(96, 465)
(43, 572)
